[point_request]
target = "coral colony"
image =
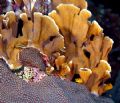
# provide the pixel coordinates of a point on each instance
(41, 65)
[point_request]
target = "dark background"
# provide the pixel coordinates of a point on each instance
(107, 14)
(113, 4)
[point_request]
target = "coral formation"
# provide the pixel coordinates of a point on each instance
(72, 43)
(42, 33)
(49, 90)
(33, 58)
(80, 3)
(85, 43)
(84, 74)
(81, 36)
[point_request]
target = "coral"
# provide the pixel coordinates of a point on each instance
(84, 74)
(63, 69)
(33, 58)
(46, 35)
(43, 6)
(85, 43)
(49, 90)
(72, 43)
(73, 31)
(27, 26)
(18, 2)
(59, 61)
(42, 33)
(9, 28)
(33, 64)
(80, 3)
(81, 36)
(109, 20)
(8, 32)
(32, 74)
(99, 75)
(49, 70)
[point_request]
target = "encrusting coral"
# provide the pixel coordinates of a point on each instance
(72, 43)
(32, 57)
(50, 89)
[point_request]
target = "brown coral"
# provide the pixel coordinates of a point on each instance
(27, 26)
(64, 69)
(49, 90)
(59, 61)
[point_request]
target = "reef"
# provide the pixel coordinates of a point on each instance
(53, 49)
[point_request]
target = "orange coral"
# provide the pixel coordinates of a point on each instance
(80, 3)
(74, 44)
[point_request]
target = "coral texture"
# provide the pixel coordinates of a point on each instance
(32, 57)
(72, 43)
(42, 33)
(49, 90)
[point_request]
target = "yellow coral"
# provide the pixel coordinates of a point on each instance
(81, 36)
(64, 71)
(84, 74)
(104, 88)
(59, 61)
(49, 70)
(99, 74)
(42, 33)
(86, 48)
(79, 80)
(79, 3)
